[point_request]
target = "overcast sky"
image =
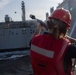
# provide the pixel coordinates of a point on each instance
(37, 7)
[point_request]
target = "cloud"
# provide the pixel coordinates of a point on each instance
(3, 3)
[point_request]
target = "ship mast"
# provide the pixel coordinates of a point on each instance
(23, 11)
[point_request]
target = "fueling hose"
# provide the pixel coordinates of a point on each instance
(40, 21)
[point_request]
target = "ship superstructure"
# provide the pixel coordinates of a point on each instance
(71, 6)
(15, 35)
(23, 11)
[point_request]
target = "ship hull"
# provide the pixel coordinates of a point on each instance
(16, 38)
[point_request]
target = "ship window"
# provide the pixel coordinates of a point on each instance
(30, 30)
(33, 31)
(16, 33)
(9, 31)
(23, 31)
(1, 34)
(12, 33)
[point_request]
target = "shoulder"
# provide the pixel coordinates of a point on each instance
(67, 41)
(36, 36)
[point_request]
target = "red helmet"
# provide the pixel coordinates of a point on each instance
(63, 15)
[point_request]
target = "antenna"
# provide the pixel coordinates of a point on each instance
(23, 11)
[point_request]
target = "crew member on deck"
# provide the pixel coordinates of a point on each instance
(51, 52)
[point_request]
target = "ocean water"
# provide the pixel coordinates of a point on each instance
(13, 54)
(15, 63)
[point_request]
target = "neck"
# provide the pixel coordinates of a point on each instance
(55, 34)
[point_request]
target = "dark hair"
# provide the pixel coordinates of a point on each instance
(62, 27)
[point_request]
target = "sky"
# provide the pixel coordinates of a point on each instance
(39, 8)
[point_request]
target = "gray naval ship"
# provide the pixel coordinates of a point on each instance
(15, 35)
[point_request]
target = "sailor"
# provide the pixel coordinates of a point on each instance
(51, 52)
